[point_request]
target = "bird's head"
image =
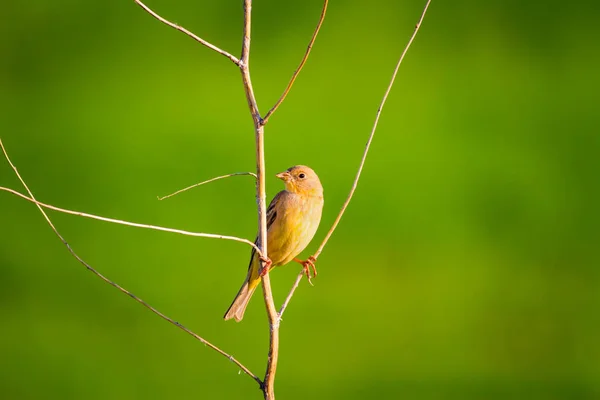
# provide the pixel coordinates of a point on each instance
(301, 179)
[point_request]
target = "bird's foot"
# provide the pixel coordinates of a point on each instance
(307, 265)
(266, 266)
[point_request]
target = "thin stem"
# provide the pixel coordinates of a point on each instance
(134, 224)
(290, 294)
(105, 279)
(295, 75)
(368, 145)
(208, 181)
(190, 34)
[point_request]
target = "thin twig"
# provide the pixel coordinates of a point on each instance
(134, 224)
(208, 181)
(190, 34)
(120, 288)
(368, 145)
(295, 75)
(290, 294)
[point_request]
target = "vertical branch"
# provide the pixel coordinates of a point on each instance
(243, 63)
(269, 380)
(247, 32)
(245, 69)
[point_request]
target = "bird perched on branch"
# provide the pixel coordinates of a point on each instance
(292, 220)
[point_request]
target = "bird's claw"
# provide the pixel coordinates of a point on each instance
(307, 265)
(266, 266)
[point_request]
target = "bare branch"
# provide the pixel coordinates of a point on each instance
(190, 34)
(289, 296)
(247, 33)
(208, 181)
(105, 279)
(274, 317)
(269, 380)
(295, 75)
(134, 224)
(368, 145)
(245, 69)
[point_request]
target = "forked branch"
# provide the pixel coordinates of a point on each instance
(41, 206)
(274, 317)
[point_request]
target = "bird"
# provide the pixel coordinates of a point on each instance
(293, 217)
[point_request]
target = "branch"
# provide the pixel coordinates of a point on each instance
(245, 70)
(105, 279)
(295, 75)
(208, 181)
(127, 223)
(134, 224)
(269, 380)
(368, 145)
(190, 34)
(289, 296)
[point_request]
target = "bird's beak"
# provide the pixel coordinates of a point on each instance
(284, 176)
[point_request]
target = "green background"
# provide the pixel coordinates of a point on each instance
(466, 267)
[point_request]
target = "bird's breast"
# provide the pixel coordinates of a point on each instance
(296, 223)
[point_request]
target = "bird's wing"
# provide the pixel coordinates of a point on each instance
(271, 216)
(272, 209)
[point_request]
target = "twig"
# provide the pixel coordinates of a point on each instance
(295, 75)
(134, 224)
(208, 181)
(362, 163)
(190, 34)
(290, 294)
(274, 317)
(368, 145)
(120, 288)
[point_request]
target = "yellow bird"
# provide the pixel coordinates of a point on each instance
(292, 220)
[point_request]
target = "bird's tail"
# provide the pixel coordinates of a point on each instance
(237, 308)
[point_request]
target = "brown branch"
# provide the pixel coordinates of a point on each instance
(273, 355)
(290, 294)
(368, 145)
(269, 380)
(134, 224)
(274, 317)
(208, 181)
(105, 279)
(295, 75)
(245, 70)
(190, 34)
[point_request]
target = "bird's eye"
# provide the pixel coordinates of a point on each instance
(302, 176)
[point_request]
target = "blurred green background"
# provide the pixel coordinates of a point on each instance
(466, 267)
